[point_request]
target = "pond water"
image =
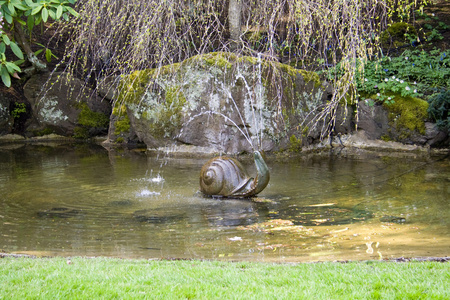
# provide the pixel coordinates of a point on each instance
(82, 200)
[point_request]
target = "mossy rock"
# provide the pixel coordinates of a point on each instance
(210, 99)
(90, 123)
(407, 116)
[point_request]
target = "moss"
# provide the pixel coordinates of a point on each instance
(295, 144)
(122, 125)
(45, 131)
(305, 131)
(308, 76)
(408, 113)
(250, 59)
(167, 117)
(223, 60)
(385, 138)
(397, 33)
(88, 119)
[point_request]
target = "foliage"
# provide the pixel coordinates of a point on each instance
(19, 108)
(439, 109)
(12, 33)
(414, 73)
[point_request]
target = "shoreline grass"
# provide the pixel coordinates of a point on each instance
(111, 278)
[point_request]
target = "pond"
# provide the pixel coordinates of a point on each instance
(81, 200)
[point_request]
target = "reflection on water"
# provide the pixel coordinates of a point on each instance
(82, 200)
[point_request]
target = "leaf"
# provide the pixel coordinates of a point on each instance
(6, 78)
(6, 39)
(16, 50)
(36, 10)
(8, 17)
(52, 14)
(30, 23)
(19, 6)
(59, 11)
(8, 67)
(13, 67)
(22, 22)
(48, 55)
(44, 14)
(37, 19)
(2, 47)
(11, 8)
(19, 62)
(72, 11)
(38, 52)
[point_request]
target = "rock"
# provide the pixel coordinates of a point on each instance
(403, 121)
(11, 138)
(64, 106)
(6, 121)
(107, 88)
(360, 140)
(373, 120)
(435, 137)
(217, 101)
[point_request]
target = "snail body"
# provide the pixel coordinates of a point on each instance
(226, 177)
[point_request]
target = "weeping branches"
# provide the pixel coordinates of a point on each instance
(113, 37)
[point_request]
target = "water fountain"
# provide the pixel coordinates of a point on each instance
(225, 176)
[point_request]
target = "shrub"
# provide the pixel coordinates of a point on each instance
(439, 108)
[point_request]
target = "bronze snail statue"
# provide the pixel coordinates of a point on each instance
(226, 177)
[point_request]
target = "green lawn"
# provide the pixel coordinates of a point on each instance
(104, 278)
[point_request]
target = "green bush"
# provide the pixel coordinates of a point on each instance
(414, 73)
(438, 109)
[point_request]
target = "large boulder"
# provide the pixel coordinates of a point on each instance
(63, 105)
(216, 101)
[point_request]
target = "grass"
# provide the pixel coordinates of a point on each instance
(104, 278)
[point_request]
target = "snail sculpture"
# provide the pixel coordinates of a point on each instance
(226, 177)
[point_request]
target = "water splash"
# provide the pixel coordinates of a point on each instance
(147, 193)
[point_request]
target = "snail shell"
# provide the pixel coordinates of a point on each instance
(225, 177)
(222, 176)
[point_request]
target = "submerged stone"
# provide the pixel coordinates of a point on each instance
(158, 215)
(393, 219)
(58, 212)
(124, 202)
